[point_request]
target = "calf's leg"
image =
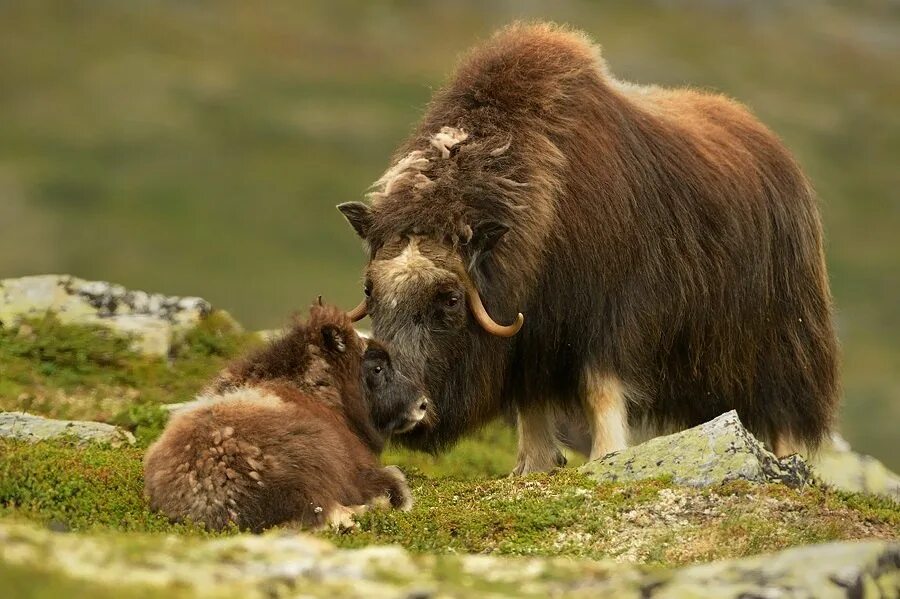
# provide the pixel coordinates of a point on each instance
(386, 486)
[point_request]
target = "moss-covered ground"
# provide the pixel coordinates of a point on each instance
(464, 500)
(80, 372)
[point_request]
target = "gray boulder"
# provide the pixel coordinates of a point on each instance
(152, 319)
(718, 451)
(868, 569)
(25, 427)
(842, 468)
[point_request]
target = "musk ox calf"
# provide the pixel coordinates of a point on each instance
(290, 434)
(663, 245)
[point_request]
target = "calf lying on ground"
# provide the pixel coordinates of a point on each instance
(291, 434)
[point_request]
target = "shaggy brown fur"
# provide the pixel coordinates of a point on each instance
(288, 435)
(664, 246)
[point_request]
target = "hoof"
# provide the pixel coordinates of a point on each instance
(530, 464)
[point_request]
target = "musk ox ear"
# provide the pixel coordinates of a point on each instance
(359, 216)
(484, 237)
(333, 338)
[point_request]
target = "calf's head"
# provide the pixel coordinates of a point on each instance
(375, 395)
(395, 403)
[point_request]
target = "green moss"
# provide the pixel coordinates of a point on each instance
(871, 507)
(465, 503)
(77, 488)
(489, 452)
(87, 372)
(63, 356)
(563, 513)
(218, 335)
(145, 420)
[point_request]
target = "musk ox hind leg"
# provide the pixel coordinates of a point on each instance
(785, 445)
(606, 408)
(538, 450)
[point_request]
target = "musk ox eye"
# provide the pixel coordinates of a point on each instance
(368, 289)
(452, 300)
(377, 369)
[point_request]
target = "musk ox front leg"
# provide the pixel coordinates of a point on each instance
(538, 451)
(605, 406)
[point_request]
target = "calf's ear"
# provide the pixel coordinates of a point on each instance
(333, 338)
(359, 216)
(484, 238)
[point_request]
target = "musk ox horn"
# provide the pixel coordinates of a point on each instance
(358, 313)
(484, 319)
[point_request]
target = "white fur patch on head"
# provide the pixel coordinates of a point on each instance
(410, 268)
(448, 137)
(409, 264)
(408, 168)
(408, 171)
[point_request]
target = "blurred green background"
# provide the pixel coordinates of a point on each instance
(200, 147)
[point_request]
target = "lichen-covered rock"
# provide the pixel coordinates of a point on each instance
(284, 564)
(867, 570)
(154, 320)
(25, 427)
(718, 451)
(844, 469)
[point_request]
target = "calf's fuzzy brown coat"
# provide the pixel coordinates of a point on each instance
(288, 435)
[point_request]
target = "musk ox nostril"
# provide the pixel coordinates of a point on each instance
(424, 405)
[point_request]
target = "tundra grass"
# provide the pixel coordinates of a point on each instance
(89, 373)
(564, 513)
(465, 503)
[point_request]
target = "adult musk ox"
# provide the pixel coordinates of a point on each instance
(663, 245)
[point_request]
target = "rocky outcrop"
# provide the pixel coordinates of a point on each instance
(152, 319)
(842, 468)
(277, 565)
(25, 427)
(718, 451)
(722, 450)
(865, 570)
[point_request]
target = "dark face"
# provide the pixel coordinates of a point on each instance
(417, 304)
(423, 304)
(395, 403)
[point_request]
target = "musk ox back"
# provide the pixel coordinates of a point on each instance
(291, 433)
(663, 245)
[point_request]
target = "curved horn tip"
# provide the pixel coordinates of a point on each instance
(358, 313)
(513, 329)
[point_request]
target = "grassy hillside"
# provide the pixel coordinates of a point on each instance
(199, 148)
(465, 502)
